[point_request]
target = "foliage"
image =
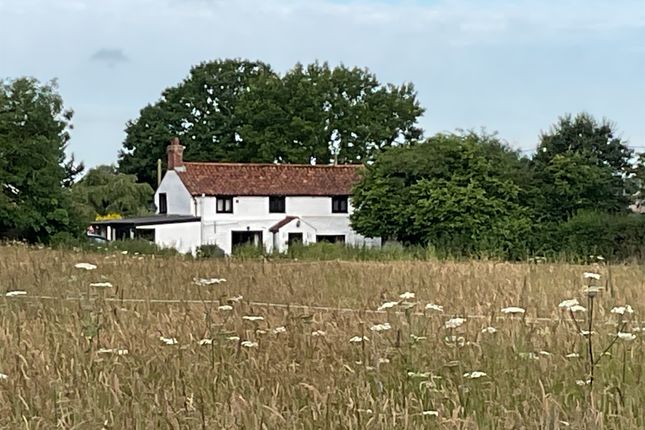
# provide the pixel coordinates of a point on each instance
(107, 191)
(35, 202)
(457, 192)
(210, 251)
(241, 111)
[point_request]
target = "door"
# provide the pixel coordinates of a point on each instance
(294, 238)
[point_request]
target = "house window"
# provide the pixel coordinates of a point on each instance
(277, 204)
(163, 203)
(330, 238)
(339, 204)
(225, 205)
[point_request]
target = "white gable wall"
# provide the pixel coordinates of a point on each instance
(180, 202)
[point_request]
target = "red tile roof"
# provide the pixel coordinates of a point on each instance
(240, 179)
(277, 226)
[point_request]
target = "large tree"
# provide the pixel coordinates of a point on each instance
(105, 191)
(580, 164)
(236, 110)
(35, 202)
(459, 192)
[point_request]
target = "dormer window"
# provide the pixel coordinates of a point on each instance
(224, 205)
(277, 205)
(339, 204)
(163, 203)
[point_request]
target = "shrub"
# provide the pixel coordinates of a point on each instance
(210, 251)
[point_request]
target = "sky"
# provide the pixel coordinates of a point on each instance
(512, 67)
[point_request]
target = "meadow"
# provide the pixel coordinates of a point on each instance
(141, 342)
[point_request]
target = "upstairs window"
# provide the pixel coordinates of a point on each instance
(277, 204)
(224, 205)
(339, 204)
(163, 203)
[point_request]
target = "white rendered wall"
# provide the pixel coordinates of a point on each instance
(179, 199)
(185, 237)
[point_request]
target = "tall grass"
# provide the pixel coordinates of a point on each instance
(63, 344)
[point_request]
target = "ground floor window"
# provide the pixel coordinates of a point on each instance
(331, 238)
(246, 237)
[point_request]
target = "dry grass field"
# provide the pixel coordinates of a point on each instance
(157, 350)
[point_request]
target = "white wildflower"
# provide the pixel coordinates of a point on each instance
(3, 376)
(513, 310)
(203, 342)
(208, 281)
(474, 374)
(626, 336)
(545, 353)
(430, 413)
(586, 332)
(281, 329)
(113, 351)
(423, 375)
(225, 308)
(387, 305)
(233, 338)
(260, 331)
(638, 329)
(489, 330)
(124, 252)
(572, 355)
(583, 383)
(620, 310)
(455, 322)
(318, 333)
(168, 340)
(252, 318)
(85, 266)
(568, 304)
(236, 299)
(383, 360)
(434, 307)
(458, 340)
(577, 308)
(359, 339)
(381, 327)
(591, 275)
(416, 338)
(407, 295)
(101, 285)
(15, 293)
(249, 344)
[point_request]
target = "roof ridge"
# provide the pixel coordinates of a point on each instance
(215, 163)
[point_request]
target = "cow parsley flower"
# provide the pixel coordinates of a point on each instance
(116, 351)
(586, 333)
(489, 330)
(416, 338)
(15, 293)
(545, 353)
(581, 383)
(474, 374)
(423, 375)
(620, 310)
(225, 308)
(430, 413)
(387, 305)
(568, 304)
(381, 327)
(278, 330)
(577, 308)
(572, 355)
(236, 299)
(85, 266)
(233, 338)
(626, 336)
(318, 333)
(512, 310)
(101, 285)
(168, 340)
(208, 281)
(249, 344)
(359, 339)
(3, 376)
(455, 322)
(252, 318)
(434, 307)
(407, 295)
(591, 275)
(203, 342)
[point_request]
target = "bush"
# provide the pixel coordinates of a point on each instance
(210, 251)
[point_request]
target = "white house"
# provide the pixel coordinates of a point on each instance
(269, 205)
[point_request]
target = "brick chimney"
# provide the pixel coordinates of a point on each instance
(175, 153)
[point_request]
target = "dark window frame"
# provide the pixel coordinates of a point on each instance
(163, 203)
(339, 204)
(225, 208)
(277, 204)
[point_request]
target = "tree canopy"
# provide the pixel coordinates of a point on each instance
(106, 191)
(35, 201)
(242, 111)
